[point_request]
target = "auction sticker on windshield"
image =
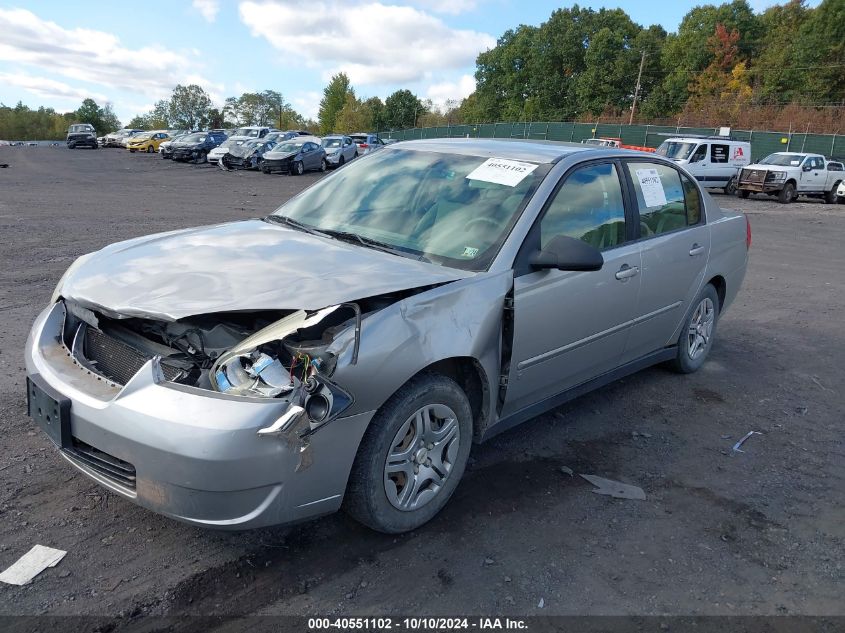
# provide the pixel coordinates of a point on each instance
(652, 188)
(502, 171)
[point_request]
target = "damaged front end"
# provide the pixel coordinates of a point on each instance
(273, 354)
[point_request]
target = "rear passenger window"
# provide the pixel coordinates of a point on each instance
(662, 198)
(587, 207)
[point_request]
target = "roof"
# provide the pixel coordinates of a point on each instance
(517, 149)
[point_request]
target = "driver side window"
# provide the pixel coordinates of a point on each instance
(587, 207)
(699, 154)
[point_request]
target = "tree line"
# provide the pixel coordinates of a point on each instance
(725, 65)
(723, 60)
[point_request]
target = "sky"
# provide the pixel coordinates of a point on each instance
(131, 54)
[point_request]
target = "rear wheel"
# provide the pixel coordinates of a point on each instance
(730, 188)
(697, 333)
(787, 194)
(412, 456)
(830, 196)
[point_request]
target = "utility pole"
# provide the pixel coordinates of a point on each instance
(637, 89)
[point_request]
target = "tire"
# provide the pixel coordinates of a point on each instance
(266, 171)
(787, 194)
(323, 165)
(150, 149)
(356, 154)
(298, 169)
(341, 160)
(131, 151)
(730, 188)
(374, 495)
(742, 193)
(698, 332)
(830, 196)
(71, 145)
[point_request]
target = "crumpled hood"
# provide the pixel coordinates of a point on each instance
(250, 265)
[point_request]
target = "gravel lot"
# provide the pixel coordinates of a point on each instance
(759, 532)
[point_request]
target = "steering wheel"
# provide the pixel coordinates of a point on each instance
(478, 220)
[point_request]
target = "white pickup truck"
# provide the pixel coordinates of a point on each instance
(788, 175)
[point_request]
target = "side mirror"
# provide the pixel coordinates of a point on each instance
(807, 168)
(567, 253)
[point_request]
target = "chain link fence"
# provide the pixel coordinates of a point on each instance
(763, 142)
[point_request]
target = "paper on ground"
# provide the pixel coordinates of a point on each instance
(652, 188)
(502, 171)
(31, 564)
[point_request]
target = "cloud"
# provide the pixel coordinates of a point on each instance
(372, 43)
(92, 56)
(307, 103)
(207, 8)
(439, 93)
(49, 88)
(453, 7)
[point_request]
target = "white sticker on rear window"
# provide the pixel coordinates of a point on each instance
(502, 171)
(652, 188)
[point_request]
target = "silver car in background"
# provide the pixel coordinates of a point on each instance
(348, 349)
(366, 143)
(339, 149)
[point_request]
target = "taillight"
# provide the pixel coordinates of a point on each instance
(363, 145)
(747, 233)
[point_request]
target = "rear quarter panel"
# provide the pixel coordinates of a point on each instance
(728, 250)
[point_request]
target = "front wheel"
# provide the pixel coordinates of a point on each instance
(412, 456)
(697, 332)
(323, 165)
(743, 193)
(150, 149)
(787, 194)
(340, 161)
(730, 188)
(298, 169)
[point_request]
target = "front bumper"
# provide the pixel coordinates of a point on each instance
(185, 154)
(195, 453)
(276, 166)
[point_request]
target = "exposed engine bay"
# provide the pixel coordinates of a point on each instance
(270, 354)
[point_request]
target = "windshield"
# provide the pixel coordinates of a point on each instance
(675, 149)
(193, 138)
(247, 131)
(783, 160)
(444, 207)
(81, 128)
(231, 142)
(332, 142)
(287, 147)
(142, 137)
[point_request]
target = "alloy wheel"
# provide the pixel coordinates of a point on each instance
(421, 457)
(700, 328)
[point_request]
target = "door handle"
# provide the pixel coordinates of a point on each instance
(696, 250)
(626, 272)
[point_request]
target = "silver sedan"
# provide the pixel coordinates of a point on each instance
(349, 348)
(339, 150)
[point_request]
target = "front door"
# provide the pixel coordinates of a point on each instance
(813, 174)
(674, 246)
(572, 326)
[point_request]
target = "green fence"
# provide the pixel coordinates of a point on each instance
(762, 142)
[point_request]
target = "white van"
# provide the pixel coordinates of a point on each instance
(715, 161)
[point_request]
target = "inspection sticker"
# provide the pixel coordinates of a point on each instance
(652, 188)
(502, 171)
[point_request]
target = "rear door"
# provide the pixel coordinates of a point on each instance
(674, 247)
(569, 327)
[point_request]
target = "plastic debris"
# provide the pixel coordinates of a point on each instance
(541, 604)
(736, 447)
(31, 564)
(615, 489)
(566, 470)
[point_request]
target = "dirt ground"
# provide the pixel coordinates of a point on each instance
(720, 533)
